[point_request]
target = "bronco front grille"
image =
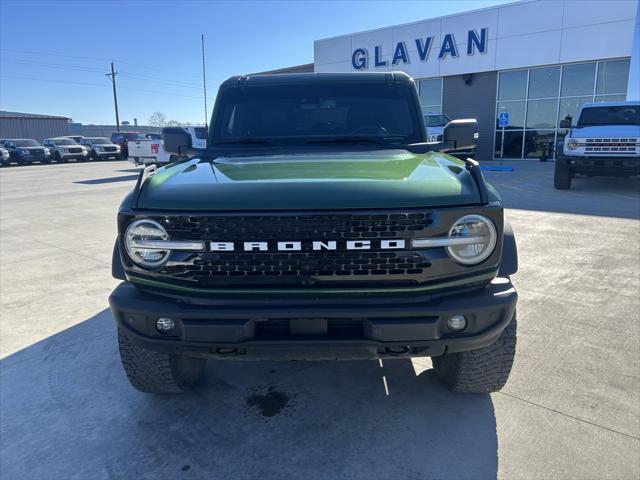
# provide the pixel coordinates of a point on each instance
(300, 268)
(611, 145)
(352, 226)
(209, 267)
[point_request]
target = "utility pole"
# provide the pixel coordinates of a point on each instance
(115, 96)
(204, 85)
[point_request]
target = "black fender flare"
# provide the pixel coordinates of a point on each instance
(509, 261)
(117, 268)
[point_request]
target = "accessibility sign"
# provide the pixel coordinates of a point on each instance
(503, 119)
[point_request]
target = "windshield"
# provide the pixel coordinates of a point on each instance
(64, 141)
(99, 141)
(436, 120)
(26, 143)
(322, 112)
(617, 115)
(135, 136)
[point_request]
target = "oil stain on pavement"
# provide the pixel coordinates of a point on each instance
(270, 403)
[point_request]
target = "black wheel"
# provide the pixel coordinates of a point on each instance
(157, 372)
(57, 157)
(561, 176)
(484, 370)
(94, 155)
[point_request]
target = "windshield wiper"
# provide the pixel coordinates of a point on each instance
(355, 139)
(246, 141)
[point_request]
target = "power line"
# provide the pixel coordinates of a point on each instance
(146, 67)
(48, 80)
(102, 85)
(49, 65)
(145, 78)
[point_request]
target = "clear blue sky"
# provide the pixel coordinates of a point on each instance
(54, 54)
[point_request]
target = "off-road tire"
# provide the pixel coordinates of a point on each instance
(158, 372)
(561, 176)
(484, 370)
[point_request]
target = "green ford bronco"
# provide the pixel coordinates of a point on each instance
(317, 224)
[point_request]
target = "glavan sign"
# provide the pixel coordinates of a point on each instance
(475, 42)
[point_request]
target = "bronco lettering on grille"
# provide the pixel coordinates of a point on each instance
(296, 246)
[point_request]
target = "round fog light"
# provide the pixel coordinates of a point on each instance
(165, 325)
(457, 322)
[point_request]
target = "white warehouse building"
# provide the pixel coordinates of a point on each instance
(537, 60)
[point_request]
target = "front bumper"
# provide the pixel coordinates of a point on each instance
(601, 165)
(319, 329)
(74, 156)
(108, 155)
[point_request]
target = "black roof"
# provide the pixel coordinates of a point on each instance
(309, 78)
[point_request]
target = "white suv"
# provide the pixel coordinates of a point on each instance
(64, 149)
(605, 141)
(101, 148)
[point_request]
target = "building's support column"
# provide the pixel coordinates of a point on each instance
(633, 87)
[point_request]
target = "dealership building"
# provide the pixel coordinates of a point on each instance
(539, 61)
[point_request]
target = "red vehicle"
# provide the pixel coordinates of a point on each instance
(123, 139)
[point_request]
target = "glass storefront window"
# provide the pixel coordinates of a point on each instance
(544, 82)
(512, 143)
(611, 98)
(430, 91)
(578, 79)
(613, 76)
(516, 114)
(512, 85)
(542, 113)
(538, 143)
(569, 108)
(538, 98)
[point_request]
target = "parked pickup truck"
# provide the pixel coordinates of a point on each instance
(604, 142)
(5, 158)
(100, 148)
(25, 151)
(146, 152)
(318, 224)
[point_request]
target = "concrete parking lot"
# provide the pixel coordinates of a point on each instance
(570, 410)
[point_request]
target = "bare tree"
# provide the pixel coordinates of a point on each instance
(158, 119)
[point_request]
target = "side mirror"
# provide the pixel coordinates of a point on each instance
(460, 135)
(565, 123)
(176, 140)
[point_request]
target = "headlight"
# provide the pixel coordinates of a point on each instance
(139, 235)
(47, 151)
(147, 243)
(572, 144)
(476, 136)
(25, 151)
(100, 149)
(481, 239)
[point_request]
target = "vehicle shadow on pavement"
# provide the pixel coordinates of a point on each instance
(67, 410)
(530, 187)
